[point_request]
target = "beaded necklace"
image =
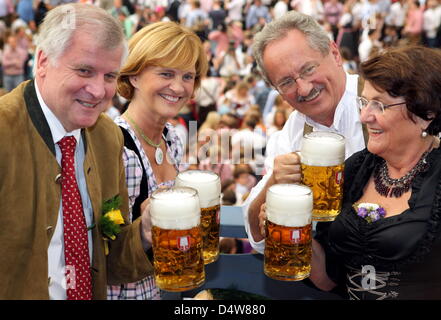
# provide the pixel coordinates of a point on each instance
(389, 187)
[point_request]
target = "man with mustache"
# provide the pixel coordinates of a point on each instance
(296, 56)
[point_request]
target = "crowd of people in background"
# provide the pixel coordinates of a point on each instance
(226, 125)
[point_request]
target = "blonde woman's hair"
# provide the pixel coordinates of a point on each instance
(211, 122)
(164, 44)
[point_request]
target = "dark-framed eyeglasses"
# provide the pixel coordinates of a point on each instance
(376, 106)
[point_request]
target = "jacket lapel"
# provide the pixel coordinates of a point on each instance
(37, 115)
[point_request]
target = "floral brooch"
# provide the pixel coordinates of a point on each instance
(111, 220)
(370, 211)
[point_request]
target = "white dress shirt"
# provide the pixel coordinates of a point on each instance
(397, 15)
(346, 122)
(56, 262)
(431, 23)
(280, 9)
(234, 8)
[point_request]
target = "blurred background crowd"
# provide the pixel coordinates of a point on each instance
(234, 113)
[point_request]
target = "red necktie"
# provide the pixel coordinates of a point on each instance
(76, 248)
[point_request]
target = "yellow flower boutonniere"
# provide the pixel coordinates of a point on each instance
(111, 220)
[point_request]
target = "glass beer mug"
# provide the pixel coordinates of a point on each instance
(288, 228)
(322, 160)
(208, 186)
(177, 239)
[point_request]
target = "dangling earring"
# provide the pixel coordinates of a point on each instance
(424, 134)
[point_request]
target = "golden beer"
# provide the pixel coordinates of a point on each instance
(210, 233)
(322, 158)
(178, 264)
(327, 189)
(288, 242)
(208, 186)
(177, 239)
(287, 251)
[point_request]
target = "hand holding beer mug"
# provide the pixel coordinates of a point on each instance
(177, 239)
(322, 158)
(288, 232)
(208, 186)
(287, 168)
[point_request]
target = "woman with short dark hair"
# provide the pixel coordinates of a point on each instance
(386, 242)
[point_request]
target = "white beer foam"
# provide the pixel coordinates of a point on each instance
(289, 205)
(175, 209)
(323, 149)
(206, 183)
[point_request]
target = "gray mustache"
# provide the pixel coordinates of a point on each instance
(313, 92)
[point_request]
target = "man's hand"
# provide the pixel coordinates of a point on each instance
(262, 219)
(146, 225)
(287, 168)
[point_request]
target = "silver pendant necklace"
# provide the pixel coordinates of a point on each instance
(159, 155)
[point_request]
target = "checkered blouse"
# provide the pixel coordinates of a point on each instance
(144, 289)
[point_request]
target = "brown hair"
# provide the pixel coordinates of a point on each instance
(241, 169)
(411, 72)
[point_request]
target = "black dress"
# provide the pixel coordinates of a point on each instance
(397, 257)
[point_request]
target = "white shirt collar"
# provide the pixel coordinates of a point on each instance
(56, 127)
(346, 121)
(344, 108)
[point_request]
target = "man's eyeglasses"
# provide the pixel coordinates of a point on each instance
(376, 106)
(289, 85)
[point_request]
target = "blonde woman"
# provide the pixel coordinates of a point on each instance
(164, 68)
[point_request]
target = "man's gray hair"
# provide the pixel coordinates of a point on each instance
(60, 24)
(277, 29)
